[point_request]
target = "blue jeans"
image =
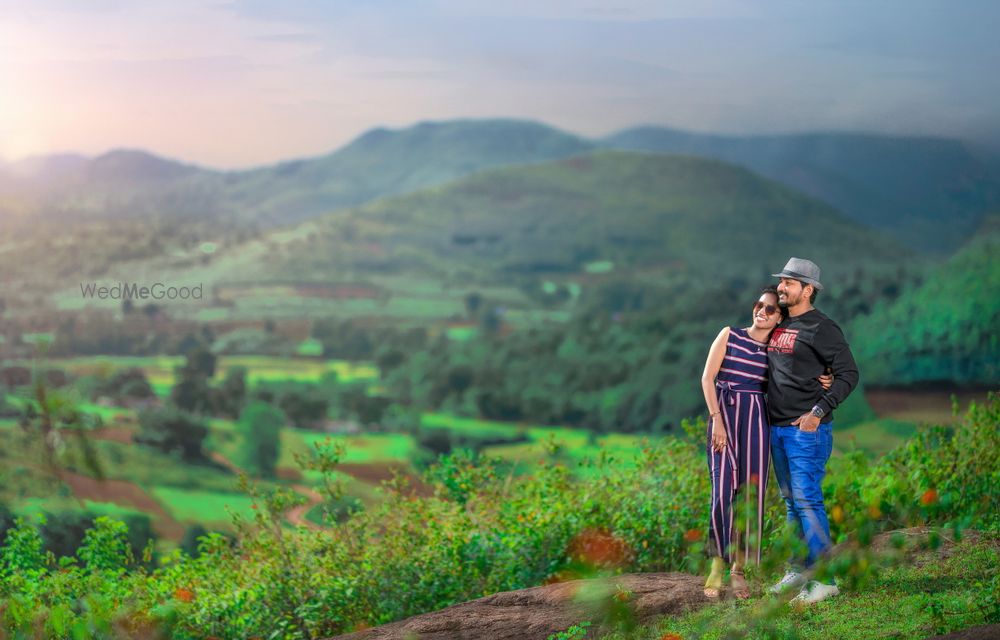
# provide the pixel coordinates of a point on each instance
(799, 461)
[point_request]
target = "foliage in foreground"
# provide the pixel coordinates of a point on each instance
(482, 531)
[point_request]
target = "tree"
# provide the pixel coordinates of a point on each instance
(305, 409)
(232, 394)
(201, 360)
(260, 424)
(171, 429)
(192, 392)
(6, 520)
(190, 542)
(473, 301)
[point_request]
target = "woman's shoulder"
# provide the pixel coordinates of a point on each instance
(743, 334)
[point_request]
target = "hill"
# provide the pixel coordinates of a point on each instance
(945, 329)
(129, 213)
(928, 193)
(126, 183)
(385, 162)
(626, 211)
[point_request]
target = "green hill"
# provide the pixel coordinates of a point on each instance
(386, 162)
(928, 193)
(630, 211)
(128, 213)
(125, 183)
(944, 330)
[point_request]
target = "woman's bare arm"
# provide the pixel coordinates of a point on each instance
(716, 353)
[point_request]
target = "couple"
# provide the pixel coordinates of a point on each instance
(769, 400)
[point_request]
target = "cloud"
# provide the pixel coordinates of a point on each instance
(242, 82)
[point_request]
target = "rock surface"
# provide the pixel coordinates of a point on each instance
(981, 632)
(535, 613)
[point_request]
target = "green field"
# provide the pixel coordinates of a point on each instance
(33, 507)
(207, 507)
(876, 437)
(159, 370)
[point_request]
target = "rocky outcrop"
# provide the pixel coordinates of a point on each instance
(538, 612)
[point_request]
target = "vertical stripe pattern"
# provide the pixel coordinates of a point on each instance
(739, 473)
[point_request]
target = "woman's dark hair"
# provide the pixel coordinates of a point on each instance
(774, 291)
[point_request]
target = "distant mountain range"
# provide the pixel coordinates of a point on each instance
(930, 194)
(649, 216)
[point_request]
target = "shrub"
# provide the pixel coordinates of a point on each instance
(484, 530)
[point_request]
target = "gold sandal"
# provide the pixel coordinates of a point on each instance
(739, 584)
(713, 585)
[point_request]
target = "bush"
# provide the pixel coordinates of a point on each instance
(484, 530)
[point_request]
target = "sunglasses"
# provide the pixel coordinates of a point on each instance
(769, 309)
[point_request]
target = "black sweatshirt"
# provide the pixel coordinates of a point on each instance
(799, 351)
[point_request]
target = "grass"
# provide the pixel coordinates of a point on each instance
(147, 468)
(34, 506)
(462, 334)
(576, 445)
(876, 437)
(470, 426)
(931, 596)
(224, 438)
(366, 448)
(108, 414)
(159, 370)
(202, 506)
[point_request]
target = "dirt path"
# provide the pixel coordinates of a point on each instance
(295, 515)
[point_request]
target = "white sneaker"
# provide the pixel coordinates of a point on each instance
(792, 580)
(816, 591)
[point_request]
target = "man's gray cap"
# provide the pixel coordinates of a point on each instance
(801, 269)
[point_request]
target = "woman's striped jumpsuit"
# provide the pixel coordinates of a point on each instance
(744, 463)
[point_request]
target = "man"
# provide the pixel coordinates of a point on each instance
(802, 347)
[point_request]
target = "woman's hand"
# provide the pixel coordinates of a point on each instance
(826, 380)
(718, 433)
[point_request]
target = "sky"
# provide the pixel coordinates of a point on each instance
(239, 83)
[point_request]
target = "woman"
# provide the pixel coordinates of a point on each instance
(738, 448)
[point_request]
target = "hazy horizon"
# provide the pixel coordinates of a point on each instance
(333, 149)
(247, 83)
